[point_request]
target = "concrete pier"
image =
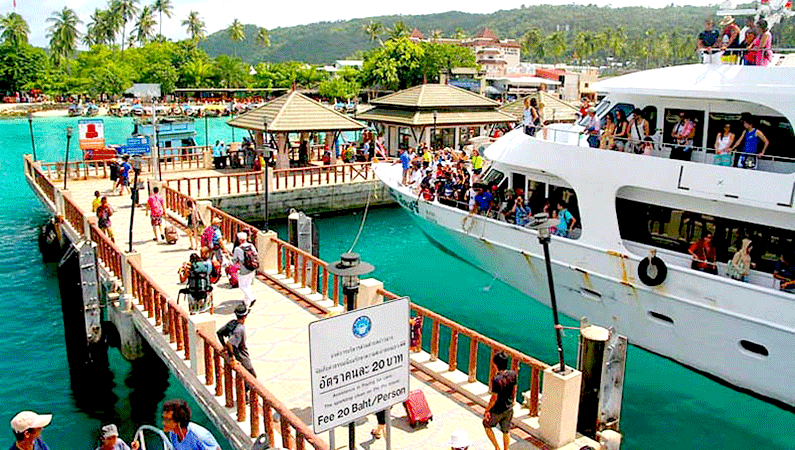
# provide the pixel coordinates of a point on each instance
(292, 290)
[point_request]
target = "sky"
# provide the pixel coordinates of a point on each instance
(218, 14)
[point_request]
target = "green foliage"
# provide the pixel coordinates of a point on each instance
(231, 72)
(286, 74)
(145, 27)
(338, 88)
(111, 80)
(396, 65)
(14, 28)
(20, 65)
(443, 58)
(63, 34)
(195, 26)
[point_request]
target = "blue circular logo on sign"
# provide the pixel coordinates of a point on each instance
(362, 326)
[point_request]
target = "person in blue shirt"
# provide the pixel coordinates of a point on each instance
(566, 220)
(27, 427)
(218, 156)
(124, 175)
(483, 200)
(405, 161)
(183, 434)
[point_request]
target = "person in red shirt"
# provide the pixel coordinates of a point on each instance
(704, 255)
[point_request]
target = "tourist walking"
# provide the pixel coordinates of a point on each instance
(156, 210)
(245, 254)
(499, 411)
(27, 427)
(195, 225)
(110, 439)
(183, 434)
(104, 211)
(124, 176)
(213, 240)
(96, 202)
(233, 338)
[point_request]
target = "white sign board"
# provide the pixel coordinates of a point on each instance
(359, 362)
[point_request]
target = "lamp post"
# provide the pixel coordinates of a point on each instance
(206, 134)
(266, 153)
(232, 116)
(66, 161)
(32, 140)
(541, 224)
(349, 268)
(433, 139)
(136, 166)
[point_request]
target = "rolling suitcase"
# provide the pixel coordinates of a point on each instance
(171, 234)
(417, 409)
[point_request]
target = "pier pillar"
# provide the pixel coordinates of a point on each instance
(269, 179)
(204, 211)
(207, 158)
(131, 343)
(267, 250)
(87, 222)
(283, 154)
(560, 405)
(368, 293)
(126, 297)
(330, 145)
(59, 203)
(206, 323)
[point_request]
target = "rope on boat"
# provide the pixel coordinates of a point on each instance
(364, 218)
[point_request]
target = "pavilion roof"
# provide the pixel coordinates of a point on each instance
(443, 117)
(435, 96)
(294, 112)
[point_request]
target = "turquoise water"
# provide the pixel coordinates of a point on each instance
(34, 373)
(665, 405)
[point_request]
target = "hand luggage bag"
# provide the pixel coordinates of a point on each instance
(417, 409)
(171, 234)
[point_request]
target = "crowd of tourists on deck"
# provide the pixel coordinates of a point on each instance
(453, 179)
(739, 267)
(750, 45)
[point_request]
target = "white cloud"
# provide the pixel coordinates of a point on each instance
(218, 14)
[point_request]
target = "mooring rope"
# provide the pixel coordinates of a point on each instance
(364, 218)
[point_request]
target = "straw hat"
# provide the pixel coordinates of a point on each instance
(459, 439)
(726, 21)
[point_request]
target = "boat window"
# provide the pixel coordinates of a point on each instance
(671, 118)
(753, 347)
(493, 176)
(675, 229)
(777, 129)
(626, 108)
(518, 181)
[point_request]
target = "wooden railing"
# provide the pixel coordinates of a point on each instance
(229, 381)
(44, 184)
(170, 161)
(107, 251)
(177, 201)
(73, 215)
(318, 175)
(232, 183)
(309, 271)
(520, 362)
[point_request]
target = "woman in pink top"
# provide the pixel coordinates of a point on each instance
(762, 44)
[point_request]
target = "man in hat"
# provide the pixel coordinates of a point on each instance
(213, 239)
(730, 37)
(247, 272)
(459, 440)
(233, 337)
(27, 427)
(110, 439)
(593, 127)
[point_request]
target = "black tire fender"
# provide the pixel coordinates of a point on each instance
(652, 271)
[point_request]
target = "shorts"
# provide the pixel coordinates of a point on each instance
(477, 171)
(502, 419)
(124, 181)
(157, 221)
(108, 230)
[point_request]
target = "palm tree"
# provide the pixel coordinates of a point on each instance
(533, 45)
(197, 71)
(125, 11)
(145, 28)
(231, 71)
(63, 33)
(195, 26)
(236, 33)
(374, 30)
(163, 7)
(460, 34)
(14, 29)
(399, 30)
(263, 37)
(93, 29)
(557, 45)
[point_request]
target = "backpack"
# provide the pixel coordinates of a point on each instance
(210, 238)
(250, 260)
(199, 280)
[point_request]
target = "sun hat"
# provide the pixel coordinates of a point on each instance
(217, 220)
(109, 430)
(241, 311)
(242, 235)
(459, 439)
(29, 419)
(726, 20)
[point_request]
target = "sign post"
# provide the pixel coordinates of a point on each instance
(359, 363)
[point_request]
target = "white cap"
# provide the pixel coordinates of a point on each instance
(242, 235)
(29, 419)
(459, 439)
(109, 430)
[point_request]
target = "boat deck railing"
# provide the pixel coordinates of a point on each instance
(699, 154)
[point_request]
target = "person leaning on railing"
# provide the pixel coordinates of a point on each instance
(750, 139)
(785, 271)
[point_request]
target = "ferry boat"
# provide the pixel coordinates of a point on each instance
(629, 267)
(173, 135)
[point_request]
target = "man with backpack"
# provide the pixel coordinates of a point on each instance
(246, 255)
(213, 239)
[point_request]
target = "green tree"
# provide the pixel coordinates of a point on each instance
(196, 72)
(125, 11)
(195, 26)
(263, 37)
(63, 34)
(460, 34)
(374, 30)
(14, 29)
(617, 42)
(231, 72)
(395, 65)
(556, 45)
(163, 73)
(145, 27)
(443, 58)
(20, 65)
(163, 7)
(236, 33)
(111, 80)
(533, 45)
(399, 30)
(338, 88)
(585, 44)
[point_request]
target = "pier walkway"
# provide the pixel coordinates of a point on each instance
(292, 290)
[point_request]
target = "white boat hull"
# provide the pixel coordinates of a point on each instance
(675, 319)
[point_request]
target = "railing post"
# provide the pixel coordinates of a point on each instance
(228, 384)
(126, 279)
(254, 404)
(473, 359)
(434, 340)
(240, 400)
(452, 355)
(267, 419)
(206, 323)
(209, 373)
(267, 249)
(368, 293)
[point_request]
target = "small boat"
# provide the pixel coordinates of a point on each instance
(75, 110)
(92, 110)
